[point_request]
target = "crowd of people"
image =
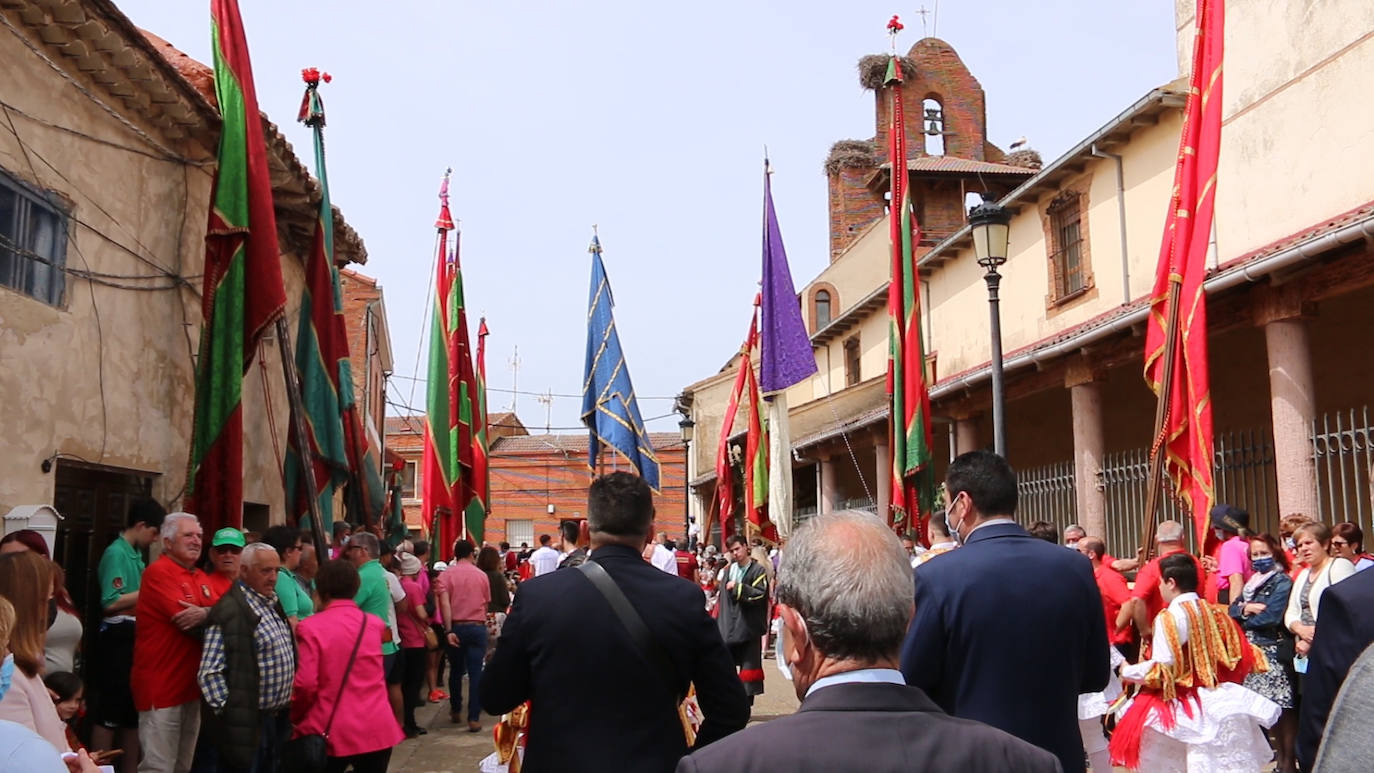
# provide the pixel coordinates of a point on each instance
(993, 647)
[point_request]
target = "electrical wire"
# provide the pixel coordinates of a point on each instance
(533, 394)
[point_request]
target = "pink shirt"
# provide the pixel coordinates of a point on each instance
(365, 722)
(1234, 559)
(469, 591)
(412, 630)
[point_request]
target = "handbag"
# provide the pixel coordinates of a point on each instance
(431, 638)
(309, 753)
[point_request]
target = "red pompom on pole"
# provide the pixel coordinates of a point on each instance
(894, 25)
(312, 107)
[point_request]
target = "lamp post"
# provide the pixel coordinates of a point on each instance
(687, 426)
(990, 224)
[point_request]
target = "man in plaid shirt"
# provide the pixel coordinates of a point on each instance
(247, 668)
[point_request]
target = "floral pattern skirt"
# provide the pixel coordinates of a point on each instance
(1276, 684)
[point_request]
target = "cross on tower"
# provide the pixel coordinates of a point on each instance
(923, 13)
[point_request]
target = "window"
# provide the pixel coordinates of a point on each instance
(822, 308)
(851, 361)
(519, 531)
(409, 479)
(33, 241)
(1068, 258)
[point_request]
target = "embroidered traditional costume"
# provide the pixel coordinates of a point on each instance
(1191, 713)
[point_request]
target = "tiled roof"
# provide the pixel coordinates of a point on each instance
(414, 424)
(575, 443)
(957, 165)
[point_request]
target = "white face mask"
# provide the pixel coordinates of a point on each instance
(949, 526)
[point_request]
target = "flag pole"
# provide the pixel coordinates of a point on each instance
(1157, 448)
(293, 393)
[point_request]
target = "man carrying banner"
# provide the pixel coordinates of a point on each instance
(743, 616)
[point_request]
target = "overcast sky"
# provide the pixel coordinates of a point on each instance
(648, 119)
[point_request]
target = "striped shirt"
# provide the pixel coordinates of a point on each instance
(275, 651)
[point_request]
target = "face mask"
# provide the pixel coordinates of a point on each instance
(6, 674)
(1289, 543)
(1219, 534)
(1262, 565)
(953, 532)
(1071, 545)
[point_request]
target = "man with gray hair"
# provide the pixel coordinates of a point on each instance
(1146, 602)
(173, 602)
(247, 668)
(844, 596)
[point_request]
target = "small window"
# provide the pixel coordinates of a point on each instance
(822, 308)
(1066, 241)
(519, 531)
(33, 242)
(410, 477)
(851, 362)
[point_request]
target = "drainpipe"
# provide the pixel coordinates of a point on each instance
(1121, 216)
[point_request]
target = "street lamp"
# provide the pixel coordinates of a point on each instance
(687, 426)
(991, 223)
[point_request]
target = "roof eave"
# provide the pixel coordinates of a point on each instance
(1144, 112)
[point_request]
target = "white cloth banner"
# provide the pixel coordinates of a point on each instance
(779, 465)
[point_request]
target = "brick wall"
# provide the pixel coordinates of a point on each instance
(358, 292)
(852, 206)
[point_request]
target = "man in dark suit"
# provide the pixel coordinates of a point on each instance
(844, 595)
(596, 701)
(1344, 629)
(1008, 628)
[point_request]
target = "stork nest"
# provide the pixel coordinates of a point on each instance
(873, 70)
(852, 154)
(1025, 158)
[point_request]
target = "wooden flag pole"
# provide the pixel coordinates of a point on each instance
(1158, 450)
(298, 426)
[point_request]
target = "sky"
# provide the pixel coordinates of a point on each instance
(646, 119)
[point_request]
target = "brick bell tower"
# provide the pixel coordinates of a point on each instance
(946, 124)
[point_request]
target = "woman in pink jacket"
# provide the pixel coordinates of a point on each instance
(364, 728)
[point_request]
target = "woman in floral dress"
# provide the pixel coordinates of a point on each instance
(1259, 610)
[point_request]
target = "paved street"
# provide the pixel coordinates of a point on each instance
(451, 748)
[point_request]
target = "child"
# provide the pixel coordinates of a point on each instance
(1191, 712)
(68, 694)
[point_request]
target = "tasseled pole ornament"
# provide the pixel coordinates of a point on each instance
(312, 107)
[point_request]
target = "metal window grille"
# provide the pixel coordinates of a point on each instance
(1243, 474)
(1047, 493)
(33, 242)
(519, 531)
(1067, 258)
(1341, 451)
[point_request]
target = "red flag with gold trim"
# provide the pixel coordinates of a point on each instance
(1186, 436)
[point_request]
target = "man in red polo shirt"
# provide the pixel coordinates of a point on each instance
(1114, 594)
(173, 602)
(1146, 602)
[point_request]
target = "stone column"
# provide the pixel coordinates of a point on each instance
(882, 476)
(827, 502)
(1293, 406)
(1089, 442)
(965, 435)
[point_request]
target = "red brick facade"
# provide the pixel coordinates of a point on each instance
(368, 353)
(531, 472)
(857, 190)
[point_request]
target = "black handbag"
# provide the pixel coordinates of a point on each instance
(309, 753)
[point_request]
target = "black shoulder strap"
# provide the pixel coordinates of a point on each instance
(644, 641)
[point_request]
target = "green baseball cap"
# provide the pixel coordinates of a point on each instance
(228, 536)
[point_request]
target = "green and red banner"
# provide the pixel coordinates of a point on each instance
(339, 450)
(481, 443)
(242, 293)
(913, 473)
(755, 459)
(1186, 437)
(447, 475)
